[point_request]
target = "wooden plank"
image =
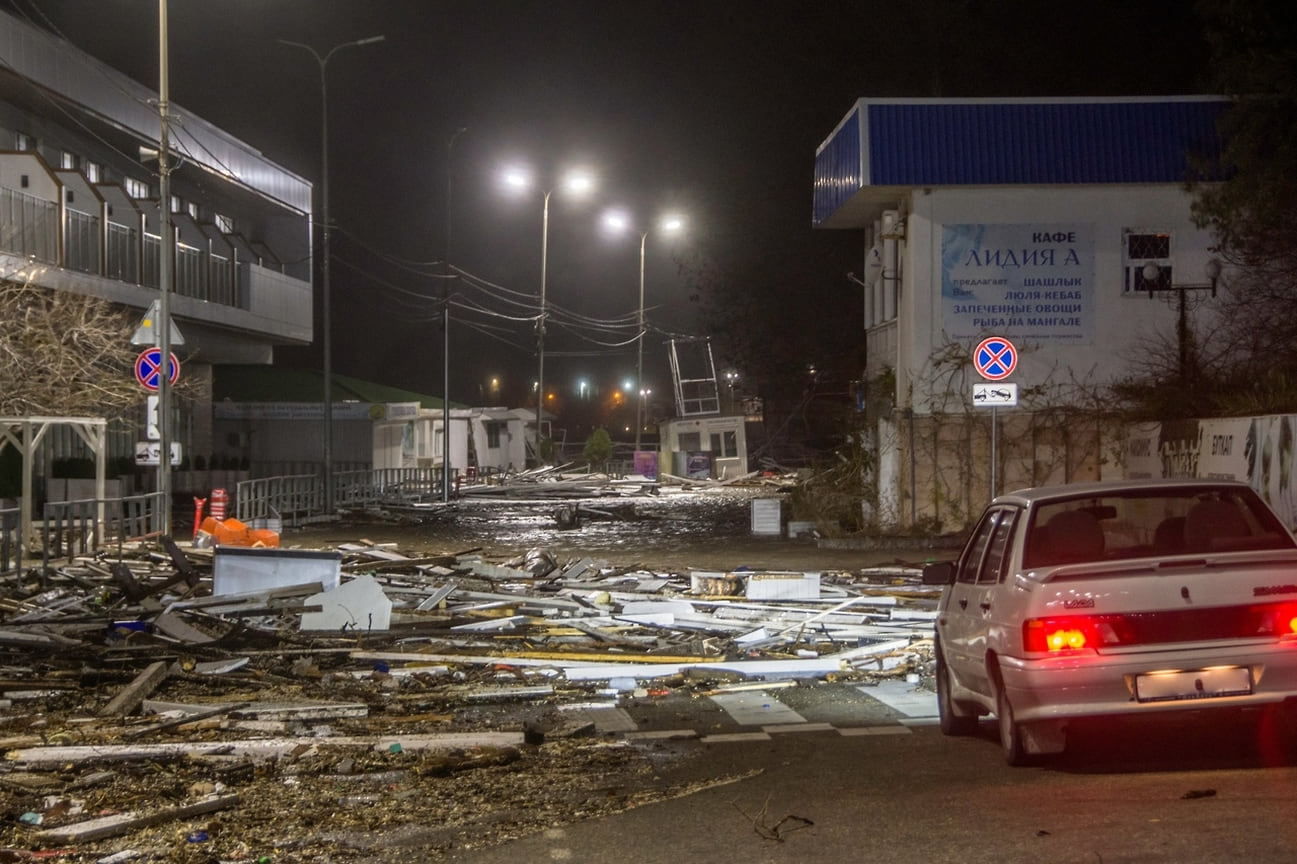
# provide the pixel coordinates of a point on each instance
(182, 720)
(145, 683)
(123, 823)
(172, 625)
(261, 748)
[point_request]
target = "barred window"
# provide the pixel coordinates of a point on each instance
(1148, 261)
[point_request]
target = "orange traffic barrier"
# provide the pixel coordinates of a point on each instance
(232, 532)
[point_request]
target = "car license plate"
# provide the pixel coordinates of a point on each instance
(1198, 684)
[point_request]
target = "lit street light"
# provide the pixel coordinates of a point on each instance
(667, 225)
(576, 183)
(325, 323)
(731, 378)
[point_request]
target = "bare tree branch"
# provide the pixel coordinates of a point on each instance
(65, 354)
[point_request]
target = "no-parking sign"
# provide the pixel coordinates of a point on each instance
(148, 368)
(995, 358)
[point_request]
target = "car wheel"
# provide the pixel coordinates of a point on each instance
(954, 720)
(1010, 731)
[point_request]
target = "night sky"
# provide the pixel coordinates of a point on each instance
(709, 108)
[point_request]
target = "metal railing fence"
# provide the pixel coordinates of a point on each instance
(83, 527)
(298, 499)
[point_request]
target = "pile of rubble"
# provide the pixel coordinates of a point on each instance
(295, 704)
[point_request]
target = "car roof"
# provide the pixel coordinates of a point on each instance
(1037, 494)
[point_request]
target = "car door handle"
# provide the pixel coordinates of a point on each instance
(963, 604)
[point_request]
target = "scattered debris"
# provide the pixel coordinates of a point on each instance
(291, 700)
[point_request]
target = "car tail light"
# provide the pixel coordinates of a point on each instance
(1071, 633)
(1280, 619)
(1062, 633)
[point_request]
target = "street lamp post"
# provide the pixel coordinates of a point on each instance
(325, 322)
(639, 347)
(540, 327)
(1155, 280)
(577, 182)
(445, 327)
(669, 225)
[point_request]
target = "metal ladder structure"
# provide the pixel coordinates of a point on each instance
(697, 394)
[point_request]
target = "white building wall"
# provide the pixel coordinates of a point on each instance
(1118, 324)
(511, 453)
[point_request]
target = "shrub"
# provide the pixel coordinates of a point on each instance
(598, 448)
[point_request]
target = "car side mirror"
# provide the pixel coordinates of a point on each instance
(939, 573)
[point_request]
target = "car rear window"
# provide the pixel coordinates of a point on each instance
(1155, 522)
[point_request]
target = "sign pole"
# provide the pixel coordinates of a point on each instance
(168, 249)
(995, 358)
(995, 434)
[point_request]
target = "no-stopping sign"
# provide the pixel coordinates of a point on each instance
(148, 368)
(995, 358)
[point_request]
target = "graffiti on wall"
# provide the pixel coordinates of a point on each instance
(1257, 450)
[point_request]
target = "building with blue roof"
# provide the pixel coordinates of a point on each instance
(1060, 226)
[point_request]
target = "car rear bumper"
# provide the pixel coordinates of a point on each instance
(1092, 685)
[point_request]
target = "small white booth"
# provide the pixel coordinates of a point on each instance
(407, 436)
(702, 448)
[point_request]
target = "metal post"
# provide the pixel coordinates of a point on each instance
(445, 329)
(639, 346)
(166, 265)
(326, 324)
(995, 430)
(540, 328)
(326, 320)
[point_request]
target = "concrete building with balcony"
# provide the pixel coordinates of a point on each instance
(1062, 226)
(80, 212)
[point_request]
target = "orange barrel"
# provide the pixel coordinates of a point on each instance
(220, 502)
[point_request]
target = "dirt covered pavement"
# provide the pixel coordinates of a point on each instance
(144, 719)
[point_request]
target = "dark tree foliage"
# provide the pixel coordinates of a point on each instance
(1254, 61)
(1253, 212)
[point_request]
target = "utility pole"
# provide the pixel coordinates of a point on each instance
(167, 265)
(326, 323)
(445, 325)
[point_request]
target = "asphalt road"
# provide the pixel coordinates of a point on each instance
(917, 796)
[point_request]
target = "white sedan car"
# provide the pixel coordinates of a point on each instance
(1108, 600)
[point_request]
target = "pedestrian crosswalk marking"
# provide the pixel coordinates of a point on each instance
(757, 708)
(902, 697)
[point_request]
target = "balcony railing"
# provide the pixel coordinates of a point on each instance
(123, 262)
(82, 249)
(29, 227)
